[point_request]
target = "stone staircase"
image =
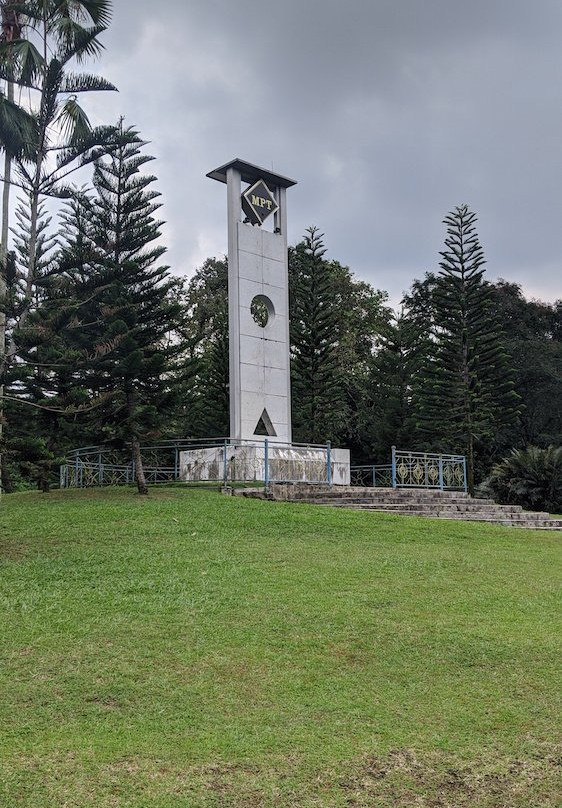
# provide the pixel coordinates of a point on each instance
(435, 504)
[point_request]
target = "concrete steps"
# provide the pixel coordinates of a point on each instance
(454, 507)
(429, 503)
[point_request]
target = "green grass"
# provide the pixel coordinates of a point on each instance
(189, 649)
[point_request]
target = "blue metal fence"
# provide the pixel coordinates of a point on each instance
(372, 476)
(212, 460)
(415, 470)
(206, 460)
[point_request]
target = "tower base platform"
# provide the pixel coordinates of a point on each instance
(267, 463)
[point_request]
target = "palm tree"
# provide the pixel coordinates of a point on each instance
(11, 30)
(59, 33)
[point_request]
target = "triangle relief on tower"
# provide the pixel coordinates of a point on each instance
(264, 427)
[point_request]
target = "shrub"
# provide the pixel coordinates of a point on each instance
(530, 477)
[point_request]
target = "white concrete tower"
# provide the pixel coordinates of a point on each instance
(258, 302)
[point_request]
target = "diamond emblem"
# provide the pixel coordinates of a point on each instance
(258, 203)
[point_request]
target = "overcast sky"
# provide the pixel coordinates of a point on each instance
(388, 113)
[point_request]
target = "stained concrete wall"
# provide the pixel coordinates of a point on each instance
(293, 464)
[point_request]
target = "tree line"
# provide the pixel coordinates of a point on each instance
(465, 366)
(99, 343)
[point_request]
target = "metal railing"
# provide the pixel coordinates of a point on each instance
(371, 476)
(212, 460)
(415, 470)
(205, 460)
(91, 466)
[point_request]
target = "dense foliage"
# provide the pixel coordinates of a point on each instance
(530, 477)
(204, 408)
(533, 339)
(335, 321)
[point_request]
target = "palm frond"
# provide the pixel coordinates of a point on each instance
(49, 94)
(84, 82)
(74, 121)
(61, 191)
(81, 43)
(18, 130)
(21, 62)
(97, 12)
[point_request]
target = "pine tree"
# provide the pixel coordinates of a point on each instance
(46, 132)
(466, 395)
(41, 385)
(205, 412)
(125, 309)
(320, 409)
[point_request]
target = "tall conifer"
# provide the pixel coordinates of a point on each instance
(320, 409)
(466, 395)
(125, 309)
(205, 408)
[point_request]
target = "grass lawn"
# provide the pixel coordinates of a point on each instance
(194, 650)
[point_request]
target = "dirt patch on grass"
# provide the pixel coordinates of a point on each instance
(105, 703)
(404, 778)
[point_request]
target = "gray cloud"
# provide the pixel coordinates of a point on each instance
(387, 113)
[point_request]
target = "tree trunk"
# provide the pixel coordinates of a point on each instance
(7, 484)
(6, 189)
(470, 465)
(3, 288)
(139, 470)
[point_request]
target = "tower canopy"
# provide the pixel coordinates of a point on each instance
(250, 173)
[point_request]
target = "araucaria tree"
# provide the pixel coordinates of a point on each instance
(466, 395)
(120, 305)
(320, 409)
(205, 382)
